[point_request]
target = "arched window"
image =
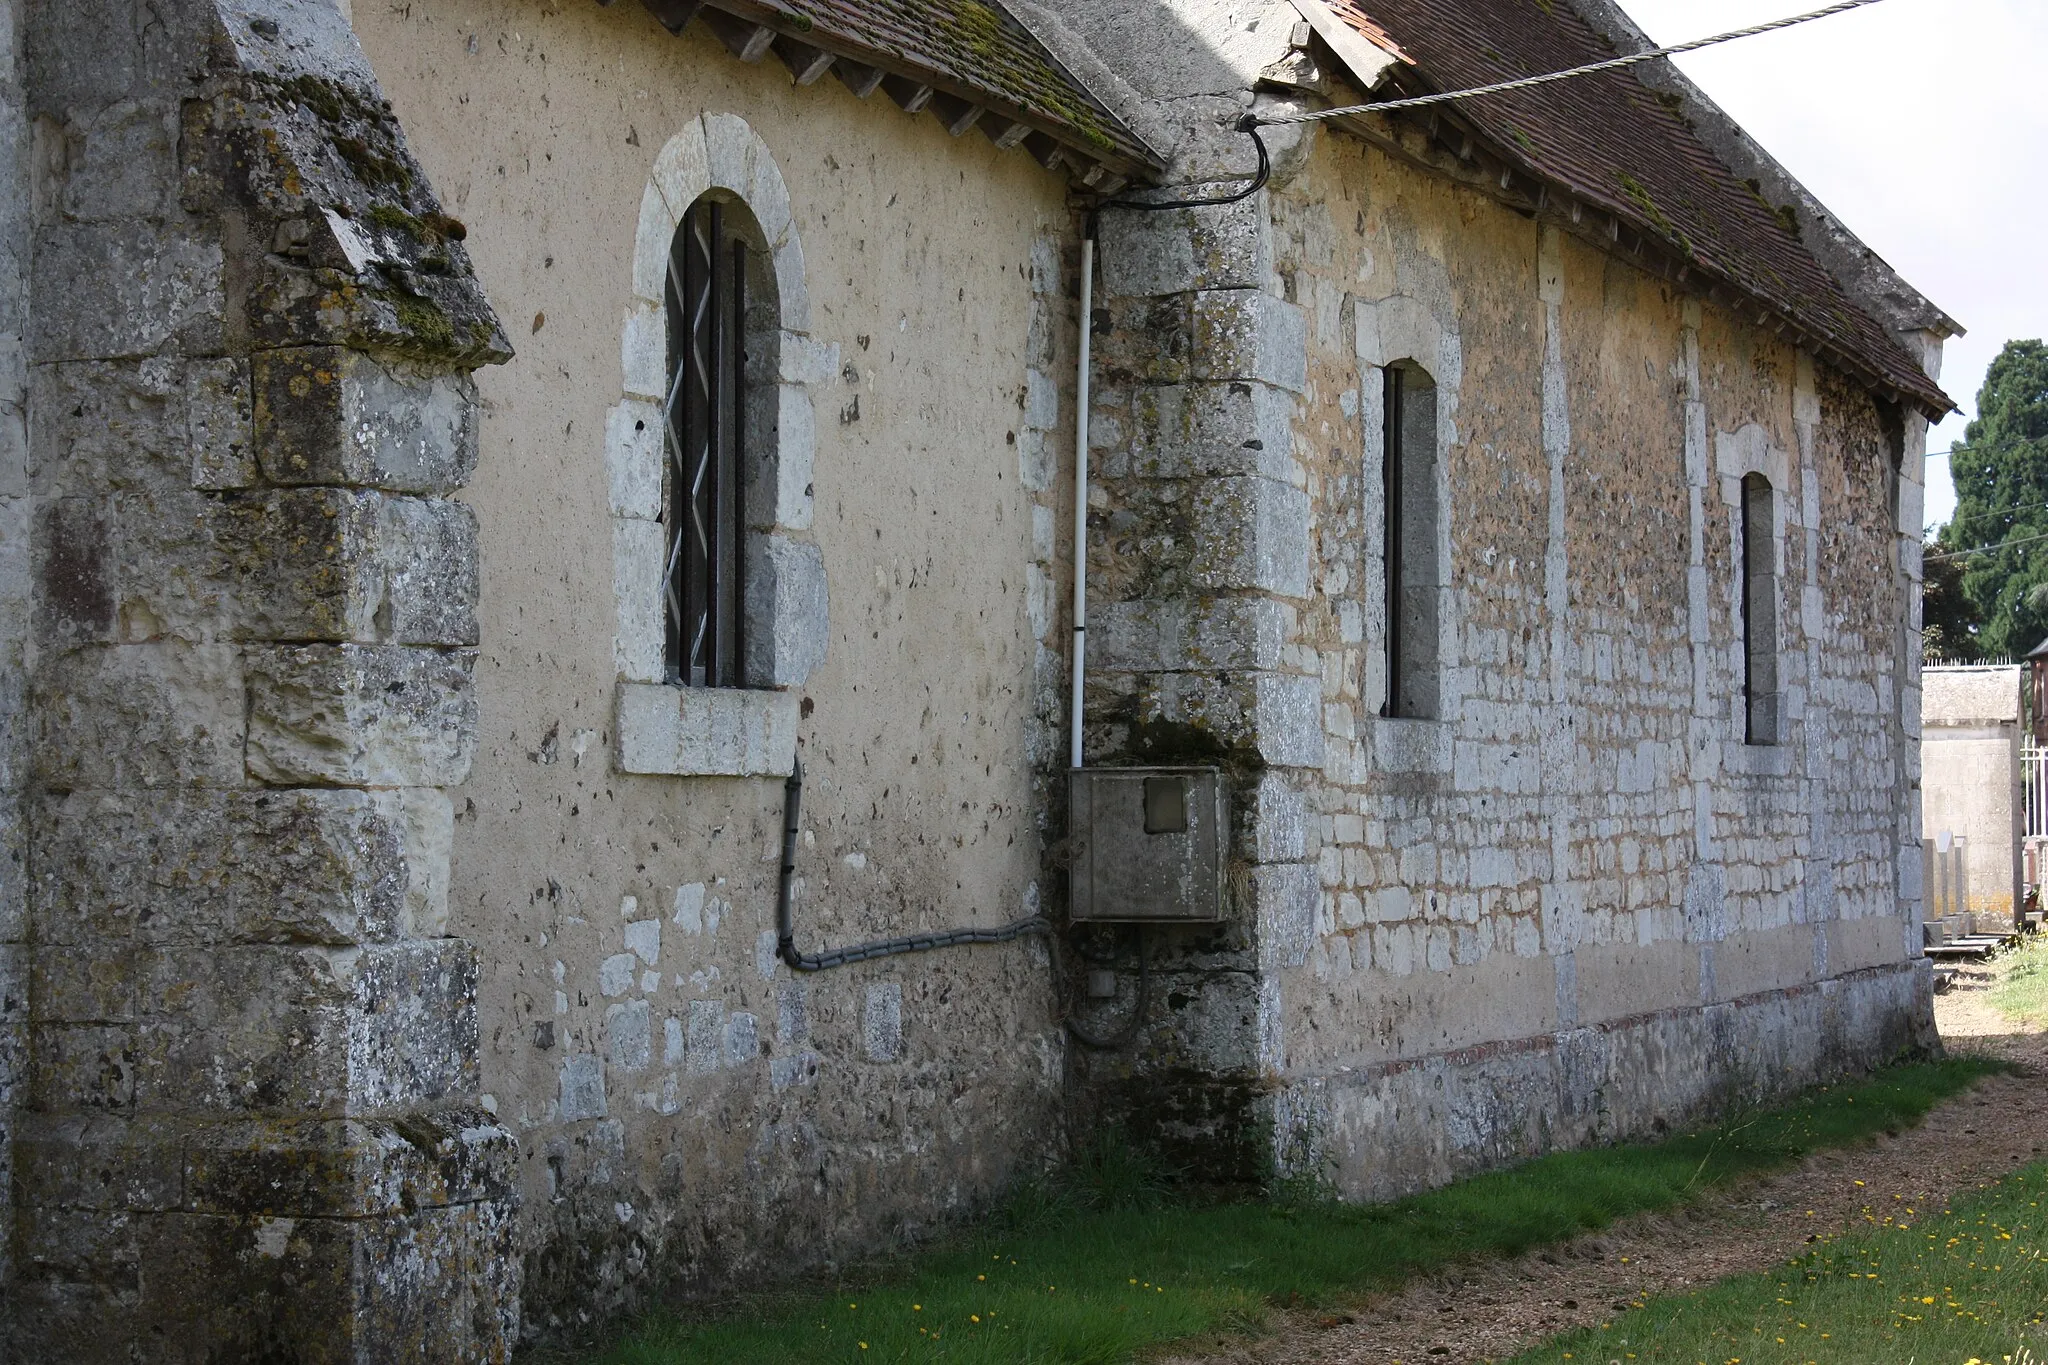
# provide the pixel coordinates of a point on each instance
(720, 306)
(1411, 540)
(1760, 611)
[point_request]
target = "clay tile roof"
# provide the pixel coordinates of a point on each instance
(1614, 142)
(971, 50)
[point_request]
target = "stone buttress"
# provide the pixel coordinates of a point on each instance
(1198, 549)
(249, 1125)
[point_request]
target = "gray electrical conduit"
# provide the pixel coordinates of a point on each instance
(785, 931)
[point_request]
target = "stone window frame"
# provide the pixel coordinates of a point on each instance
(1390, 331)
(1738, 455)
(664, 728)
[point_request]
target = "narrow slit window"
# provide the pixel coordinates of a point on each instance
(1410, 542)
(706, 407)
(1760, 611)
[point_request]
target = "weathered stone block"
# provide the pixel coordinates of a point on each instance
(1275, 718)
(582, 1087)
(196, 867)
(435, 1285)
(427, 557)
(881, 1022)
(1288, 719)
(1252, 533)
(1285, 900)
(104, 425)
(129, 288)
(427, 816)
(17, 584)
(787, 606)
(13, 406)
(629, 1034)
(348, 1168)
(413, 1030)
(361, 715)
(102, 1163)
(1192, 430)
(780, 494)
(1226, 246)
(706, 732)
(639, 559)
(116, 161)
(75, 559)
(271, 1029)
(1175, 634)
(1249, 334)
(169, 561)
(328, 415)
(1145, 341)
(334, 564)
(105, 51)
(154, 715)
(633, 444)
(1278, 828)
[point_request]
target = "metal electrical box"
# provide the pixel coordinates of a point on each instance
(1148, 845)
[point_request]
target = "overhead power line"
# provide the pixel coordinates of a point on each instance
(1528, 82)
(1979, 516)
(1983, 549)
(1996, 512)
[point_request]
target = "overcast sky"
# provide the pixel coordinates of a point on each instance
(1924, 125)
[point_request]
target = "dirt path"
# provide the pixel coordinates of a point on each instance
(1489, 1312)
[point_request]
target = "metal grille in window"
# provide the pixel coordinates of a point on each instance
(706, 298)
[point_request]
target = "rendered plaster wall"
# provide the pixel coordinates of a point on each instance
(1971, 784)
(1582, 865)
(1576, 904)
(688, 1110)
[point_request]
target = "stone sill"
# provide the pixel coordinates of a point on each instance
(1757, 760)
(672, 731)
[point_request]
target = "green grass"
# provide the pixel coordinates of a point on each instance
(2022, 990)
(1098, 1267)
(1942, 1287)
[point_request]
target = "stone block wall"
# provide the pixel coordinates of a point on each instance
(1573, 904)
(248, 1121)
(1583, 864)
(14, 610)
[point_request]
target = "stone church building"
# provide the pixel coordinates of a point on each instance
(540, 660)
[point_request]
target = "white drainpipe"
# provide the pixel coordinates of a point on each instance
(1081, 486)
